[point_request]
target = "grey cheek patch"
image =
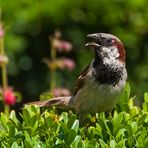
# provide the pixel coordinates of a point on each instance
(114, 52)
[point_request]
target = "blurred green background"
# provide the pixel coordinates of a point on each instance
(29, 23)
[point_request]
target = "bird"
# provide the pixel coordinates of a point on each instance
(100, 85)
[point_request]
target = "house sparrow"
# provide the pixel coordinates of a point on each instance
(100, 84)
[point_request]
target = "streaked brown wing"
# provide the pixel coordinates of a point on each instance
(80, 80)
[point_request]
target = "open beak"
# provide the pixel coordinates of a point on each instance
(92, 44)
(95, 43)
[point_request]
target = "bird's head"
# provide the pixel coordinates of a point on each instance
(107, 47)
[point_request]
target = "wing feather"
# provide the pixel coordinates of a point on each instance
(80, 80)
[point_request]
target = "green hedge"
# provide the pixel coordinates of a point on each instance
(126, 127)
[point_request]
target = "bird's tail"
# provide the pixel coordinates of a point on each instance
(66, 102)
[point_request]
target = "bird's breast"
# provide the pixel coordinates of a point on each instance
(94, 97)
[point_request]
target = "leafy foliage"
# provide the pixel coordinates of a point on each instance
(125, 128)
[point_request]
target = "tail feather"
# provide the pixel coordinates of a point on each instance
(58, 102)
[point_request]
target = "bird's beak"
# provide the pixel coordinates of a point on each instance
(94, 35)
(94, 44)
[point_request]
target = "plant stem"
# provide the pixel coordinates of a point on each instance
(4, 66)
(4, 74)
(52, 70)
(53, 79)
(4, 77)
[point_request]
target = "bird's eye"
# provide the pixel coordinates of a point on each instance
(109, 41)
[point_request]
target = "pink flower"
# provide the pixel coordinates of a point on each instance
(1, 31)
(57, 92)
(9, 97)
(68, 63)
(62, 46)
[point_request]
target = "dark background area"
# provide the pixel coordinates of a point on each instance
(29, 23)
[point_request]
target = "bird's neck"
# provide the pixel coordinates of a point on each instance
(105, 73)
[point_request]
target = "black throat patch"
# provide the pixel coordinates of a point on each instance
(107, 74)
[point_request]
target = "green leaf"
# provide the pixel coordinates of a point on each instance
(5, 144)
(4, 120)
(99, 130)
(46, 96)
(134, 127)
(124, 98)
(105, 129)
(33, 121)
(146, 97)
(110, 127)
(28, 129)
(27, 136)
(117, 122)
(11, 131)
(128, 89)
(126, 117)
(71, 136)
(56, 127)
(91, 144)
(75, 125)
(146, 142)
(13, 117)
(35, 109)
(121, 144)
(77, 143)
(71, 121)
(91, 131)
(120, 134)
(145, 107)
(58, 142)
(140, 141)
(14, 145)
(129, 130)
(131, 103)
(64, 116)
(112, 144)
(26, 116)
(131, 142)
(134, 111)
(142, 119)
(146, 119)
(64, 130)
(49, 121)
(102, 143)
(27, 144)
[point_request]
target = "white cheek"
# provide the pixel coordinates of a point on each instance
(114, 52)
(110, 55)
